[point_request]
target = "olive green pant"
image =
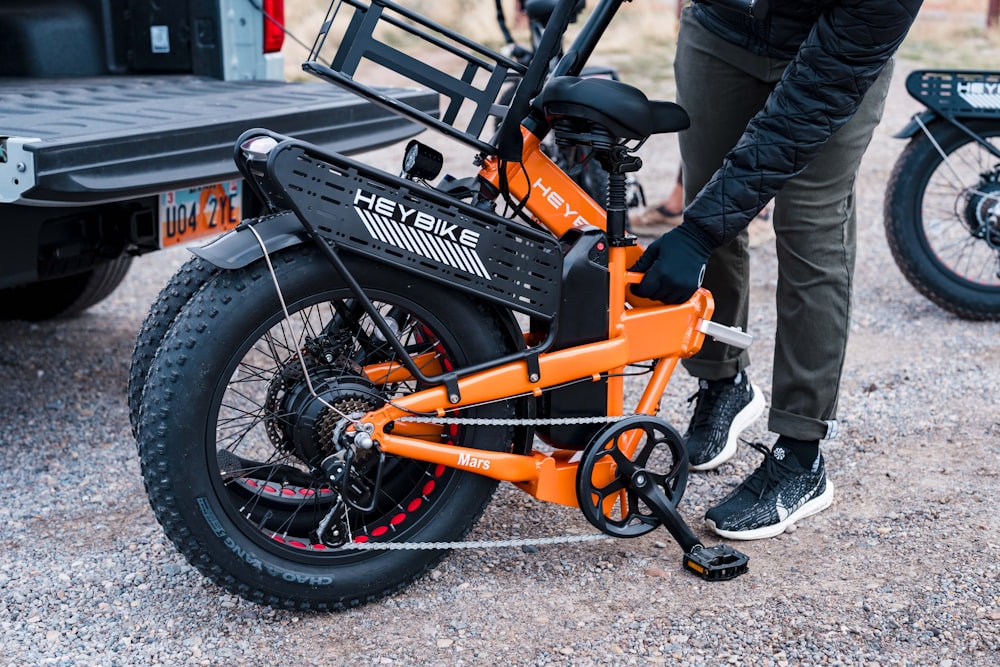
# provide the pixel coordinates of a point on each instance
(722, 86)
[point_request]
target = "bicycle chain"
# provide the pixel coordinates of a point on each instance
(480, 544)
(484, 421)
(489, 544)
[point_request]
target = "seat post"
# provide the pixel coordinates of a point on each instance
(617, 161)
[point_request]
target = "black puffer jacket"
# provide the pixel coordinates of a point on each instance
(837, 49)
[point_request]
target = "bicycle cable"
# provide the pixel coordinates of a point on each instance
(288, 318)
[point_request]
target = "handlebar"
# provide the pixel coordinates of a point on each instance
(509, 143)
(565, 11)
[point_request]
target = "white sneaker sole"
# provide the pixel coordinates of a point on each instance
(741, 421)
(814, 506)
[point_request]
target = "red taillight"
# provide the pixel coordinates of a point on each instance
(274, 20)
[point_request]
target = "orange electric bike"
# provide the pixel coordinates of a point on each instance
(342, 383)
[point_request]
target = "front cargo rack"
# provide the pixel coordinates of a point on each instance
(364, 37)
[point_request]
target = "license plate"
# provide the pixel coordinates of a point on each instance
(195, 213)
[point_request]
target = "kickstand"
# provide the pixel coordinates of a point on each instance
(716, 563)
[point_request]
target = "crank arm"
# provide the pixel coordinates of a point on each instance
(717, 563)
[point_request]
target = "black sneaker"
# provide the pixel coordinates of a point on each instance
(723, 410)
(773, 497)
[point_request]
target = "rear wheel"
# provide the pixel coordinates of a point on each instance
(942, 219)
(233, 436)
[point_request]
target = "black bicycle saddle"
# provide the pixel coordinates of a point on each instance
(623, 109)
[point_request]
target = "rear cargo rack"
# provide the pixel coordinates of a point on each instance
(362, 36)
(970, 94)
(380, 216)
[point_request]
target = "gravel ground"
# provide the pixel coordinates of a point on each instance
(902, 570)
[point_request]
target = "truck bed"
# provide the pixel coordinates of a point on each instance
(120, 137)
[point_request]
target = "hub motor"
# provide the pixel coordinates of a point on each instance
(982, 208)
(301, 423)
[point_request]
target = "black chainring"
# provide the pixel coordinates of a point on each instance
(606, 496)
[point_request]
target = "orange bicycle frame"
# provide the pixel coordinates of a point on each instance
(639, 330)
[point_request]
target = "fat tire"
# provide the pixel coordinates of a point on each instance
(188, 374)
(184, 284)
(905, 233)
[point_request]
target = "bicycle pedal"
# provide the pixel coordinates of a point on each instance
(718, 563)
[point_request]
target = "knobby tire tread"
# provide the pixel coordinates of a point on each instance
(917, 268)
(184, 284)
(159, 396)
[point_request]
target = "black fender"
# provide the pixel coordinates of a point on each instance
(239, 247)
(925, 117)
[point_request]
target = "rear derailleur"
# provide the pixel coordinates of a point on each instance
(356, 488)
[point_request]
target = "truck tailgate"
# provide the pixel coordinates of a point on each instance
(92, 140)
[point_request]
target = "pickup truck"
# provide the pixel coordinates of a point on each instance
(117, 123)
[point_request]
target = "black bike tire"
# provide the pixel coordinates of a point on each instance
(904, 226)
(184, 284)
(183, 495)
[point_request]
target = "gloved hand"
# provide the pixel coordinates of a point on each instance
(674, 265)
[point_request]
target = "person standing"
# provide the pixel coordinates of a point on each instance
(782, 106)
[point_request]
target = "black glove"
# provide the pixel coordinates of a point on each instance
(674, 265)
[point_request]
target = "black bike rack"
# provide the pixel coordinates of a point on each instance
(363, 34)
(418, 229)
(466, 74)
(958, 97)
(345, 205)
(969, 94)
